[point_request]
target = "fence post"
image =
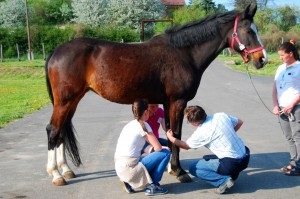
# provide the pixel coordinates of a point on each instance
(44, 54)
(18, 52)
(1, 53)
(30, 55)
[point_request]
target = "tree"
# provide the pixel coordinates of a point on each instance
(286, 17)
(129, 13)
(50, 12)
(208, 6)
(242, 4)
(90, 12)
(263, 18)
(58, 11)
(182, 16)
(12, 13)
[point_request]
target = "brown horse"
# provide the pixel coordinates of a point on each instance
(166, 70)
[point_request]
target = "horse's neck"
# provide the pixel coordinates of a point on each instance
(210, 49)
(206, 53)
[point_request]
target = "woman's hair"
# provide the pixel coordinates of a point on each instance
(138, 108)
(288, 47)
(195, 114)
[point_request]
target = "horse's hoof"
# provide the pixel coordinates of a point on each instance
(69, 175)
(59, 182)
(184, 178)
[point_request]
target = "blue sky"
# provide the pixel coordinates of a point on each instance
(228, 3)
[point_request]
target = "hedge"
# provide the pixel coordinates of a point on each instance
(52, 36)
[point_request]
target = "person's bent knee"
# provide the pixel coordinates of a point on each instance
(193, 168)
(166, 151)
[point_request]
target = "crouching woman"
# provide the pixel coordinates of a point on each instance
(134, 169)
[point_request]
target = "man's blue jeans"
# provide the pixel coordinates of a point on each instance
(207, 171)
(156, 163)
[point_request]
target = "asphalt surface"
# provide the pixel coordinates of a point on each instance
(23, 146)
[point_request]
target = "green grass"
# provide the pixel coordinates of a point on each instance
(236, 63)
(22, 89)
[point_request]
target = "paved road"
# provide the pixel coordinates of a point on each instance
(23, 149)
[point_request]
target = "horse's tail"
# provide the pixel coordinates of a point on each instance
(70, 141)
(49, 88)
(67, 130)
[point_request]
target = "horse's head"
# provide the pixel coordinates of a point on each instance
(245, 39)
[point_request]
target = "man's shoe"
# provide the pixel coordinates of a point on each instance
(153, 190)
(127, 187)
(224, 187)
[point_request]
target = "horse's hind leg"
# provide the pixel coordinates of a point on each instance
(52, 169)
(54, 129)
(62, 162)
(60, 130)
(57, 159)
(67, 140)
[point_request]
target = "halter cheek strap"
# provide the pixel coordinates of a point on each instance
(242, 46)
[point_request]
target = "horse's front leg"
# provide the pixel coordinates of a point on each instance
(176, 117)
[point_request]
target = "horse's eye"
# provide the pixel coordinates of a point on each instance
(250, 31)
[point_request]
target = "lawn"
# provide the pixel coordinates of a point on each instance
(22, 89)
(236, 63)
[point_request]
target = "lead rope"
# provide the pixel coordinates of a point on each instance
(250, 78)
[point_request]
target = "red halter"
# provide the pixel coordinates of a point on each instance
(242, 46)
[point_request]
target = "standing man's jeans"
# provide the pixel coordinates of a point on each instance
(291, 131)
(156, 163)
(206, 170)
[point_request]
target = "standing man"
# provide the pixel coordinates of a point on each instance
(216, 132)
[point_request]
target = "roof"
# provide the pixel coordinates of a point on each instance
(173, 2)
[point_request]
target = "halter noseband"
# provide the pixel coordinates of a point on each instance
(242, 46)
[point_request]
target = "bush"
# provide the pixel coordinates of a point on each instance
(112, 33)
(52, 36)
(10, 52)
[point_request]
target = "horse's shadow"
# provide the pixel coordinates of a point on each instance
(81, 177)
(262, 173)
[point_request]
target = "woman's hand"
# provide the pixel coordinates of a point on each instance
(276, 110)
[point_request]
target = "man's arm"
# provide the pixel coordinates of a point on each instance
(177, 142)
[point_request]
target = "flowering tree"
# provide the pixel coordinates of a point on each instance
(12, 13)
(89, 12)
(129, 13)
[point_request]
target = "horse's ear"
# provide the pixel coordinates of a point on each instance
(250, 10)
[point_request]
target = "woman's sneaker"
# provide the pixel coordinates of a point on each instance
(127, 187)
(153, 190)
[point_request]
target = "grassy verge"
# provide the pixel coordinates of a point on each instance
(236, 63)
(22, 89)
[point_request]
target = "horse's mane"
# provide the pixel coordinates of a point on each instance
(198, 31)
